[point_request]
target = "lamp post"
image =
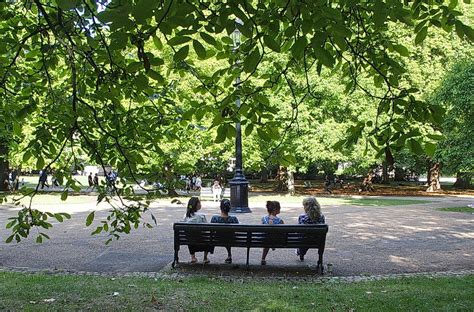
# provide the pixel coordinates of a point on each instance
(239, 195)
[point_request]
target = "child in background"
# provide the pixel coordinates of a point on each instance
(273, 208)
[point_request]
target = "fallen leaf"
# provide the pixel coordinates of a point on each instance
(115, 294)
(50, 300)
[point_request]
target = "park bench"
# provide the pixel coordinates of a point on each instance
(251, 236)
(206, 192)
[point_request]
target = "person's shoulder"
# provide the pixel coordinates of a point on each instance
(215, 219)
(233, 219)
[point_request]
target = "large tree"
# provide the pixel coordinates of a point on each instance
(85, 74)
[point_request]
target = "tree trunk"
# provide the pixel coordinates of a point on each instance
(428, 171)
(399, 174)
(291, 183)
(387, 165)
(4, 166)
(282, 177)
(385, 179)
(463, 180)
(264, 176)
(435, 173)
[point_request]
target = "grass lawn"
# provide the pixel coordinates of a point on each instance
(30, 292)
(341, 200)
(457, 209)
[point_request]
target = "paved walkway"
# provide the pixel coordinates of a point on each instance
(361, 241)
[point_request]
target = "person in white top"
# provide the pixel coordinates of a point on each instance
(194, 205)
(216, 191)
(198, 183)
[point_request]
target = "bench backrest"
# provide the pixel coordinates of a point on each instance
(245, 235)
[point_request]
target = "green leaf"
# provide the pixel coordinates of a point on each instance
(221, 134)
(157, 42)
(90, 218)
(64, 195)
(97, 230)
(271, 43)
(181, 54)
(26, 156)
(67, 4)
(39, 239)
(141, 81)
(248, 129)
(155, 76)
(324, 57)
(11, 223)
(402, 50)
(298, 47)
(262, 99)
(469, 32)
(40, 163)
(9, 239)
(430, 149)
(209, 39)
(421, 35)
(415, 147)
(199, 48)
(58, 217)
(251, 61)
(178, 40)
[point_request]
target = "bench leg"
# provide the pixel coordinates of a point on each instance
(176, 259)
(320, 266)
(248, 256)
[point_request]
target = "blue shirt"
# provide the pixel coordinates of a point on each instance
(271, 220)
(220, 219)
(304, 219)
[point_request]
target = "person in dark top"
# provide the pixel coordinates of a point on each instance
(312, 215)
(90, 180)
(225, 218)
(43, 179)
(96, 181)
(273, 209)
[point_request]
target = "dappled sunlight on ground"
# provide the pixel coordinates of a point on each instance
(361, 239)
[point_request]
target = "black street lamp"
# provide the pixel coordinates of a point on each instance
(239, 186)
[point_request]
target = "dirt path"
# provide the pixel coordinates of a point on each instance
(361, 240)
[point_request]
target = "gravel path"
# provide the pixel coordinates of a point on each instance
(361, 241)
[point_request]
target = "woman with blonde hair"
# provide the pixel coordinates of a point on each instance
(312, 215)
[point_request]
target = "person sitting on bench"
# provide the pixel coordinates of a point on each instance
(273, 208)
(194, 205)
(312, 215)
(225, 218)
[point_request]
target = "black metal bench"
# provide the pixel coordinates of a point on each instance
(251, 236)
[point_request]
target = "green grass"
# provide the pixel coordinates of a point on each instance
(457, 209)
(28, 292)
(341, 200)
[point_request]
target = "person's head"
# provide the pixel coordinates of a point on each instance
(312, 208)
(194, 204)
(225, 206)
(277, 207)
(273, 207)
